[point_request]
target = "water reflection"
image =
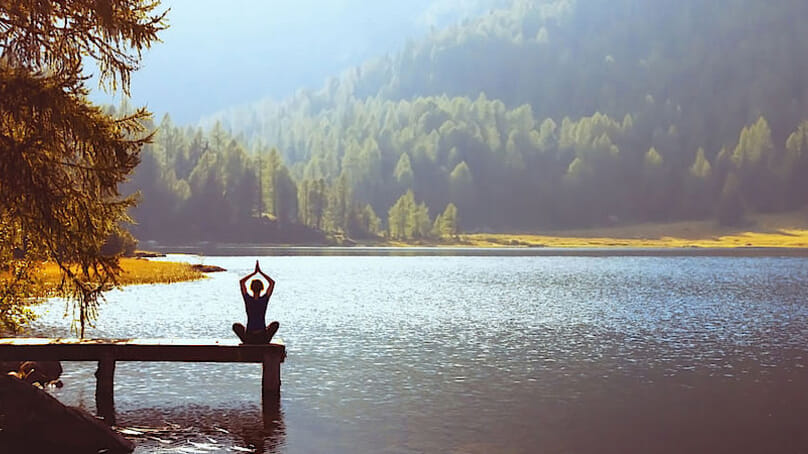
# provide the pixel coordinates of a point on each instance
(273, 436)
(207, 429)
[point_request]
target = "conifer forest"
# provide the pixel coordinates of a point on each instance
(528, 116)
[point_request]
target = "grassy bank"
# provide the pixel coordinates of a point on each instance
(788, 230)
(782, 239)
(136, 271)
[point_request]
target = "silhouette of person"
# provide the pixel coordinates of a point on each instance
(256, 306)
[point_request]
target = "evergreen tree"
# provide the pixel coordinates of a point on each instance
(445, 225)
(699, 192)
(62, 157)
(397, 217)
(795, 165)
(655, 190)
(752, 154)
(364, 223)
(285, 197)
(403, 172)
(461, 187)
(731, 205)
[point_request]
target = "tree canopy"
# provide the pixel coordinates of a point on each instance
(61, 158)
(554, 114)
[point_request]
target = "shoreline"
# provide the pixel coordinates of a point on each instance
(775, 233)
(280, 251)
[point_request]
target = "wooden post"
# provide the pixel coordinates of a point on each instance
(104, 389)
(108, 351)
(271, 380)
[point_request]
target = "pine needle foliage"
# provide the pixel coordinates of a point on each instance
(62, 158)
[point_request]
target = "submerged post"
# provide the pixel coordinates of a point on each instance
(104, 389)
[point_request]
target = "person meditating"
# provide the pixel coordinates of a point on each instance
(256, 306)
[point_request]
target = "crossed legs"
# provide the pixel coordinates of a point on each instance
(256, 337)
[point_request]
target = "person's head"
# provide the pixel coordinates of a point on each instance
(256, 286)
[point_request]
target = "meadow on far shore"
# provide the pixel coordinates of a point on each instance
(788, 230)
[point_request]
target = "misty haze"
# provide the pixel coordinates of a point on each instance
(479, 226)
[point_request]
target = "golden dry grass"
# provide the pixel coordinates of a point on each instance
(783, 239)
(136, 271)
(787, 230)
(781, 230)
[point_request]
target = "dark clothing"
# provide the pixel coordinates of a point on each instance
(262, 336)
(256, 311)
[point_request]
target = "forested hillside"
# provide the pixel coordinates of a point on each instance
(544, 114)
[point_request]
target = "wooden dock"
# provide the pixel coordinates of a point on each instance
(108, 351)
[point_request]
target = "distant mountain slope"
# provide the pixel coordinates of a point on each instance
(709, 68)
(541, 114)
(217, 54)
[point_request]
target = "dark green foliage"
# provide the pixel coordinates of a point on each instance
(699, 182)
(731, 204)
(364, 223)
(120, 243)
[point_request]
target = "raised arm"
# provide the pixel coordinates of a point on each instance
(243, 285)
(270, 281)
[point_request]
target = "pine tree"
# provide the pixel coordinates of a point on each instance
(461, 185)
(402, 219)
(63, 158)
(285, 197)
(731, 205)
(699, 194)
(363, 222)
(447, 227)
(403, 172)
(752, 154)
(397, 220)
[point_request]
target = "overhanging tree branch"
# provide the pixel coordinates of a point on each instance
(62, 158)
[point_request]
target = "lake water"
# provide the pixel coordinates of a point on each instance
(476, 355)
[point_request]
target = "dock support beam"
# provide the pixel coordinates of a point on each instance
(106, 352)
(271, 381)
(104, 389)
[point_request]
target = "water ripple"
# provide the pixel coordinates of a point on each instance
(472, 354)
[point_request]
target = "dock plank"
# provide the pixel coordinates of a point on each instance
(175, 350)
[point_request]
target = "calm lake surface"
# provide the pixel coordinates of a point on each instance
(476, 355)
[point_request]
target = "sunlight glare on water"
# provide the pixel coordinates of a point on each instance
(476, 354)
